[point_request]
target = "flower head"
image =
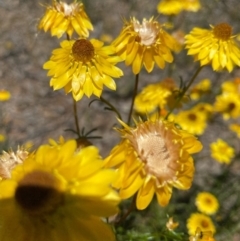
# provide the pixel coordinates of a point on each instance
(216, 47)
(171, 225)
(203, 87)
(83, 67)
(228, 104)
(8, 160)
(207, 203)
(199, 220)
(153, 157)
(221, 151)
(66, 18)
(4, 95)
(194, 121)
(58, 194)
(154, 95)
(201, 235)
(169, 7)
(145, 44)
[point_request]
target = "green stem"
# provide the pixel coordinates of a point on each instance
(183, 92)
(133, 98)
(111, 106)
(76, 117)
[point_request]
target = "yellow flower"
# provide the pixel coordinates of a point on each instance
(235, 128)
(153, 96)
(83, 67)
(66, 18)
(201, 236)
(58, 194)
(232, 86)
(199, 220)
(152, 158)
(203, 87)
(207, 203)
(228, 104)
(221, 151)
(216, 47)
(171, 225)
(145, 44)
(4, 95)
(169, 7)
(192, 121)
(10, 159)
(2, 138)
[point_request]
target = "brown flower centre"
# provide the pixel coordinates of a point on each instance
(204, 224)
(231, 107)
(192, 117)
(222, 31)
(37, 193)
(83, 50)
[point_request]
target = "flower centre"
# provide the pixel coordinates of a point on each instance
(192, 117)
(37, 193)
(153, 151)
(222, 31)
(204, 224)
(83, 50)
(147, 32)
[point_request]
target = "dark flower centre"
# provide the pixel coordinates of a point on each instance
(222, 31)
(83, 50)
(192, 117)
(37, 193)
(231, 107)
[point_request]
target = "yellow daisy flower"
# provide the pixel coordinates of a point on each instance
(58, 194)
(83, 67)
(207, 203)
(203, 87)
(228, 104)
(216, 47)
(232, 86)
(221, 151)
(153, 96)
(145, 44)
(4, 95)
(174, 7)
(192, 121)
(202, 236)
(199, 220)
(66, 18)
(153, 157)
(235, 128)
(2, 138)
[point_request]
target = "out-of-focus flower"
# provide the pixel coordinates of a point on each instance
(154, 96)
(58, 194)
(202, 236)
(152, 158)
(4, 95)
(170, 7)
(83, 67)
(202, 221)
(145, 44)
(232, 86)
(2, 138)
(207, 203)
(200, 89)
(216, 47)
(221, 151)
(171, 225)
(235, 128)
(204, 108)
(192, 121)
(10, 159)
(66, 18)
(228, 104)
